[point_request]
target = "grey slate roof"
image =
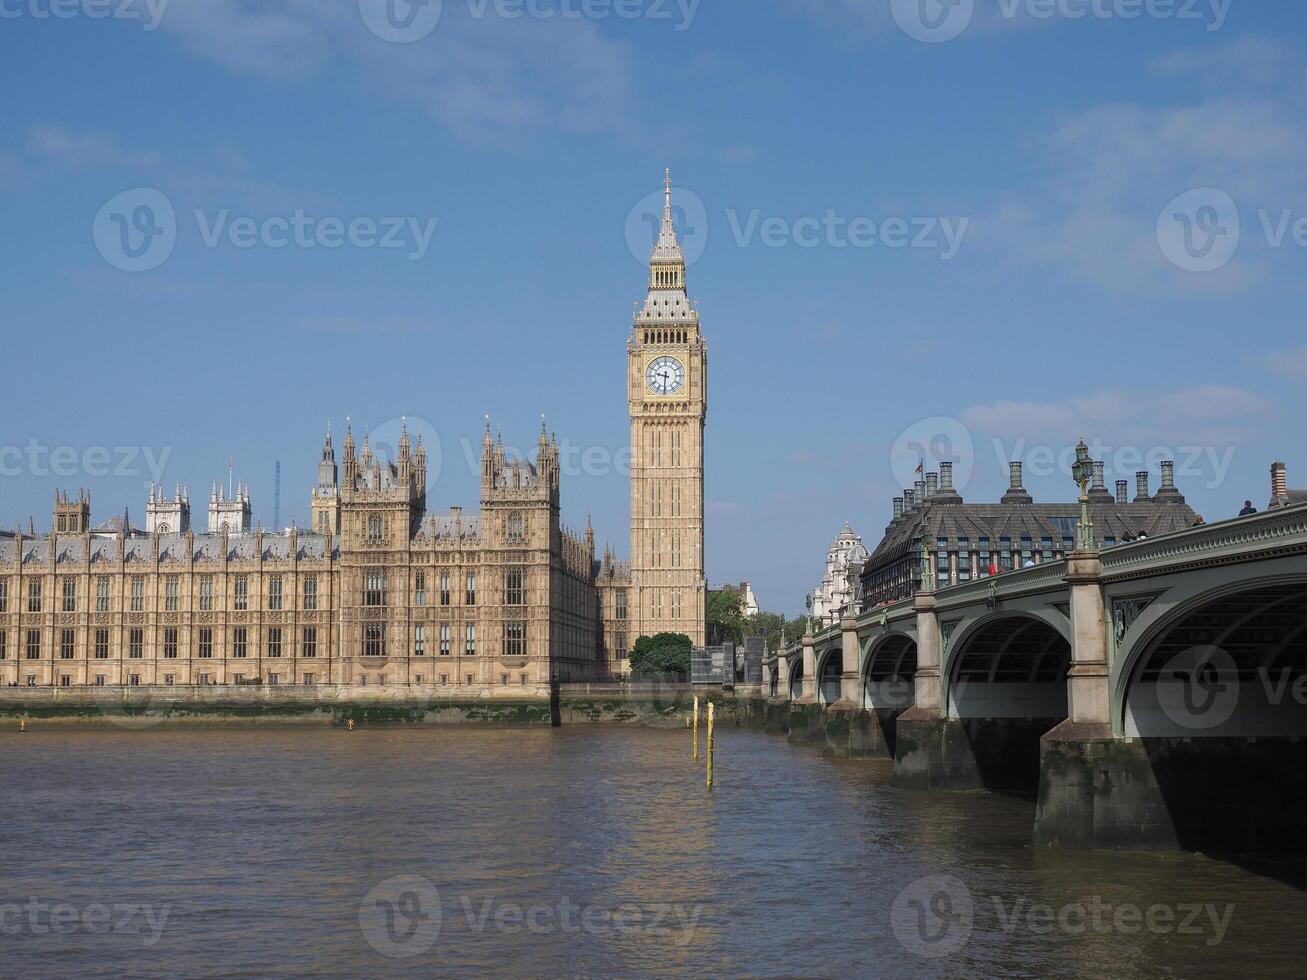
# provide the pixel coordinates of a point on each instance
(172, 547)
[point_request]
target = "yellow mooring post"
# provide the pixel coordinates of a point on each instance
(349, 725)
(710, 720)
(22, 726)
(696, 727)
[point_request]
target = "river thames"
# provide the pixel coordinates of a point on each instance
(233, 852)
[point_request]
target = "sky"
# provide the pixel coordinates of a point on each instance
(917, 231)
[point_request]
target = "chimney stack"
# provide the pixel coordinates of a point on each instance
(898, 508)
(921, 491)
(932, 484)
(1141, 487)
(1168, 474)
(1279, 482)
(1097, 486)
(1016, 493)
(1123, 491)
(909, 500)
(946, 477)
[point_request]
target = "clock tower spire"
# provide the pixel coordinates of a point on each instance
(667, 385)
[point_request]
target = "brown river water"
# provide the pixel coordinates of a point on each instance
(583, 851)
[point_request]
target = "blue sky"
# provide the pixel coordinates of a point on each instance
(820, 152)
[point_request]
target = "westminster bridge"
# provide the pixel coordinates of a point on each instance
(1151, 695)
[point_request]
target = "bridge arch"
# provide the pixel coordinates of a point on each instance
(1005, 687)
(796, 679)
(994, 645)
(1223, 661)
(889, 669)
(1211, 698)
(830, 671)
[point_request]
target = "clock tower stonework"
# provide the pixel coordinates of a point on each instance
(667, 385)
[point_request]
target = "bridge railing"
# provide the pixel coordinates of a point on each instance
(1232, 540)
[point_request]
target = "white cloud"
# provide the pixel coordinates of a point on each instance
(1291, 364)
(1206, 415)
(1249, 60)
(75, 151)
(482, 76)
(1110, 170)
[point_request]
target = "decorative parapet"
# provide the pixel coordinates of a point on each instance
(1047, 577)
(1273, 534)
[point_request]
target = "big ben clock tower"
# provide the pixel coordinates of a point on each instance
(667, 385)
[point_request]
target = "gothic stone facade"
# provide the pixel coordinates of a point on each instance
(378, 592)
(388, 597)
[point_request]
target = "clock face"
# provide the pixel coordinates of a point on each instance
(665, 376)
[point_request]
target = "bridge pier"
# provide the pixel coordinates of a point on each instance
(920, 753)
(807, 722)
(841, 716)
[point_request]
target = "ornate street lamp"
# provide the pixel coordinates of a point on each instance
(927, 573)
(809, 605)
(1082, 472)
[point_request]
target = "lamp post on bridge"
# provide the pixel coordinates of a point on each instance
(1082, 472)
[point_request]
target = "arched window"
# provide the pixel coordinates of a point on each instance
(374, 527)
(516, 526)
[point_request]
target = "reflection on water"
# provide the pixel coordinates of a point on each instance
(248, 853)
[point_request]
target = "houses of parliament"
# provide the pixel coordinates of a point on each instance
(377, 591)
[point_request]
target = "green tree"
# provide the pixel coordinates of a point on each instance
(795, 628)
(725, 618)
(665, 653)
(769, 626)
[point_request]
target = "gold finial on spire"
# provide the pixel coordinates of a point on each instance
(667, 185)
